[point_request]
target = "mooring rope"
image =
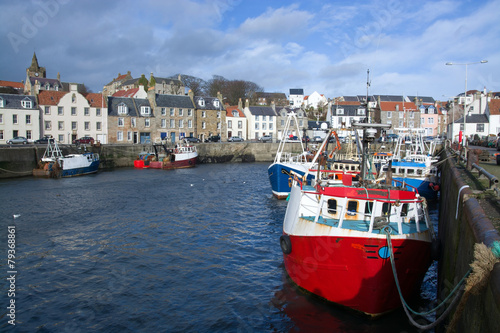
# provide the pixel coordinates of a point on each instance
(477, 278)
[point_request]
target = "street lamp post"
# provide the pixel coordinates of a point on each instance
(465, 95)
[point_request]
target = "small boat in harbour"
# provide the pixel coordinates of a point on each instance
(54, 165)
(181, 156)
(286, 163)
(348, 241)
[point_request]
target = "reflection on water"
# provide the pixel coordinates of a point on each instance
(192, 250)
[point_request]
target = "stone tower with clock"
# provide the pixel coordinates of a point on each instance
(35, 70)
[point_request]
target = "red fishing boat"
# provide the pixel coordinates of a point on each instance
(339, 237)
(180, 156)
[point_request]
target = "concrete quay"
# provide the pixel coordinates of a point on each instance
(469, 214)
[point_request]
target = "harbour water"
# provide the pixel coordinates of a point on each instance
(132, 250)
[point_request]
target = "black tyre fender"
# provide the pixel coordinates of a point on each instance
(286, 244)
(436, 249)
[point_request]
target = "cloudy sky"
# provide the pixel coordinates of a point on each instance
(317, 45)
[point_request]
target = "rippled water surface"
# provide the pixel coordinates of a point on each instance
(194, 250)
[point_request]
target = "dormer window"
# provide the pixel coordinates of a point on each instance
(122, 108)
(1, 102)
(73, 98)
(361, 112)
(235, 113)
(145, 110)
(47, 86)
(397, 107)
(26, 103)
(216, 103)
(201, 102)
(340, 111)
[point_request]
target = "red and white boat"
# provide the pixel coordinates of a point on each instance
(338, 236)
(168, 158)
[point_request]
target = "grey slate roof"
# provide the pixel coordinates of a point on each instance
(174, 101)
(423, 99)
(13, 101)
(473, 119)
(349, 110)
(389, 98)
(296, 91)
(43, 82)
(262, 111)
(209, 103)
(133, 105)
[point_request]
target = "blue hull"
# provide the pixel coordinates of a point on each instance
(92, 168)
(422, 186)
(279, 175)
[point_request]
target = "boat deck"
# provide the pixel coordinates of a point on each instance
(360, 225)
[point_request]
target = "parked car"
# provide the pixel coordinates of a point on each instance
(18, 139)
(292, 139)
(306, 139)
(191, 139)
(44, 140)
(235, 139)
(213, 138)
(84, 140)
(266, 138)
(317, 139)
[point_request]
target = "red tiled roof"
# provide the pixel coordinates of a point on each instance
(18, 85)
(391, 106)
(348, 103)
(95, 100)
(126, 93)
(50, 97)
(494, 106)
(229, 111)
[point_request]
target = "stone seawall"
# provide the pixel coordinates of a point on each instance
(463, 223)
(19, 161)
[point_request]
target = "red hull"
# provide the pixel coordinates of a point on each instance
(354, 272)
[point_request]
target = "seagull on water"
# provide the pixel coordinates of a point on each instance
(16, 215)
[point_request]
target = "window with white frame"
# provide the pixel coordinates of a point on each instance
(1, 118)
(1, 134)
(86, 111)
(216, 103)
(122, 108)
(98, 126)
(270, 126)
(121, 122)
(14, 118)
(401, 115)
(422, 120)
(256, 118)
(47, 125)
(119, 136)
(60, 125)
(164, 123)
(172, 112)
(163, 111)
(181, 112)
(431, 121)
(73, 111)
(480, 128)
(218, 114)
(190, 112)
(27, 103)
(412, 124)
(203, 125)
(28, 134)
(1, 102)
(190, 123)
(74, 125)
(264, 126)
(201, 102)
(46, 110)
(60, 138)
(133, 122)
(218, 125)
(230, 124)
(147, 122)
(340, 111)
(181, 123)
(145, 110)
(361, 112)
(172, 123)
(256, 126)
(129, 136)
(87, 125)
(412, 115)
(28, 119)
(60, 111)
(240, 124)
(203, 114)
(235, 113)
(401, 123)
(98, 112)
(389, 114)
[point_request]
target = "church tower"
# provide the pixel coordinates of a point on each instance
(35, 70)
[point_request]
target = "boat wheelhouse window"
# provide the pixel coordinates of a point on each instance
(369, 208)
(410, 171)
(393, 170)
(352, 207)
(419, 172)
(332, 206)
(385, 208)
(404, 210)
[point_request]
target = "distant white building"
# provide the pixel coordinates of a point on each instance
(296, 98)
(19, 116)
(314, 100)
